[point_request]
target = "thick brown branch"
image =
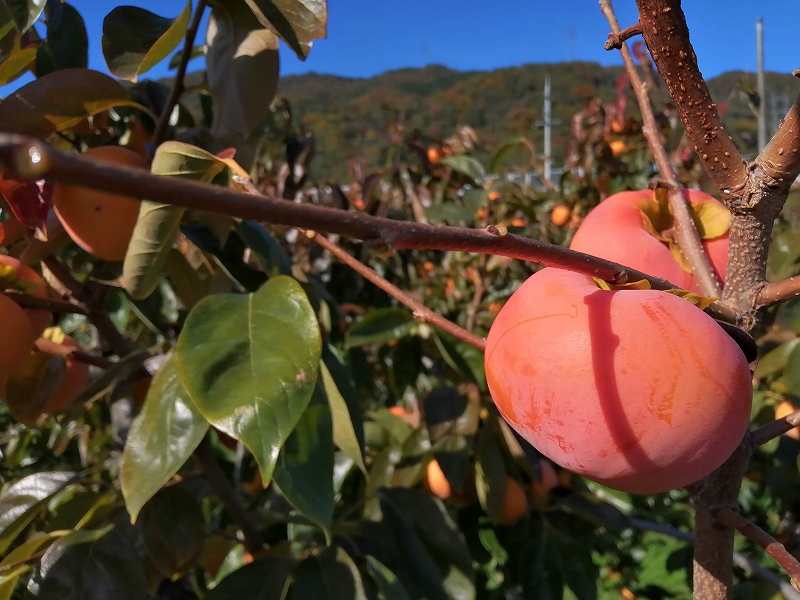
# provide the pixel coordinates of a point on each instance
(222, 488)
(781, 291)
(778, 427)
(667, 37)
(779, 161)
(421, 312)
(27, 158)
(58, 306)
(180, 75)
(754, 533)
(685, 230)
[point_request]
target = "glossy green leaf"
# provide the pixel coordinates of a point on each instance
(304, 472)
(173, 530)
(272, 257)
(158, 224)
(388, 584)
(61, 100)
(242, 66)
(380, 326)
(263, 579)
(21, 500)
(10, 576)
(161, 439)
(67, 43)
(296, 22)
(465, 165)
(345, 422)
(135, 40)
(250, 363)
(90, 565)
(784, 252)
(329, 575)
(774, 361)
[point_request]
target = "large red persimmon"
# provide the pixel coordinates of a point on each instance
(76, 378)
(18, 336)
(634, 229)
(639, 390)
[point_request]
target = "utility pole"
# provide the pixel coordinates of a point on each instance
(762, 92)
(548, 128)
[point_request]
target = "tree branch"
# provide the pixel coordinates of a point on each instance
(772, 293)
(51, 347)
(685, 230)
(779, 161)
(754, 533)
(222, 488)
(57, 306)
(27, 158)
(180, 76)
(740, 559)
(667, 37)
(776, 428)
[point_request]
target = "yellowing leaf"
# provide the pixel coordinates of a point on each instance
(711, 219)
(656, 216)
(699, 301)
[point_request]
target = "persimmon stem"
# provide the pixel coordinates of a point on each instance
(754, 533)
(180, 76)
(685, 231)
(776, 428)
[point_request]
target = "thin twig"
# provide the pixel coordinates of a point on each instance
(178, 85)
(421, 312)
(685, 231)
(222, 488)
(740, 559)
(57, 306)
(776, 428)
(51, 347)
(772, 293)
(754, 533)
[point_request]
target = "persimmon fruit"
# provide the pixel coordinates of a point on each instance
(515, 503)
(633, 228)
(560, 215)
(638, 390)
(784, 409)
(18, 336)
(436, 482)
(21, 278)
(100, 222)
(76, 378)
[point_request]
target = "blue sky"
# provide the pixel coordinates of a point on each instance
(367, 37)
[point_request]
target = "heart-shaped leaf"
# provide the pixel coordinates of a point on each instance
(161, 439)
(135, 40)
(250, 363)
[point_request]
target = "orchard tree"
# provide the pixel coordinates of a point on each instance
(224, 377)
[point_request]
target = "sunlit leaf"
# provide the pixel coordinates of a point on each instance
(466, 165)
(345, 426)
(297, 22)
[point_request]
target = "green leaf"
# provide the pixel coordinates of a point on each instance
(380, 326)
(466, 165)
(173, 529)
(774, 361)
(272, 257)
(91, 565)
(506, 148)
(792, 372)
(161, 439)
(540, 575)
(784, 252)
(20, 14)
(61, 100)
(21, 500)
(158, 224)
(304, 472)
(490, 480)
(327, 575)
(135, 40)
(10, 576)
(242, 66)
(388, 584)
(15, 62)
(263, 579)
(296, 22)
(67, 43)
(175, 61)
(345, 432)
(250, 363)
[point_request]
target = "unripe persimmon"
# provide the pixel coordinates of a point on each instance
(515, 503)
(560, 215)
(639, 390)
(100, 222)
(76, 378)
(18, 336)
(622, 227)
(21, 278)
